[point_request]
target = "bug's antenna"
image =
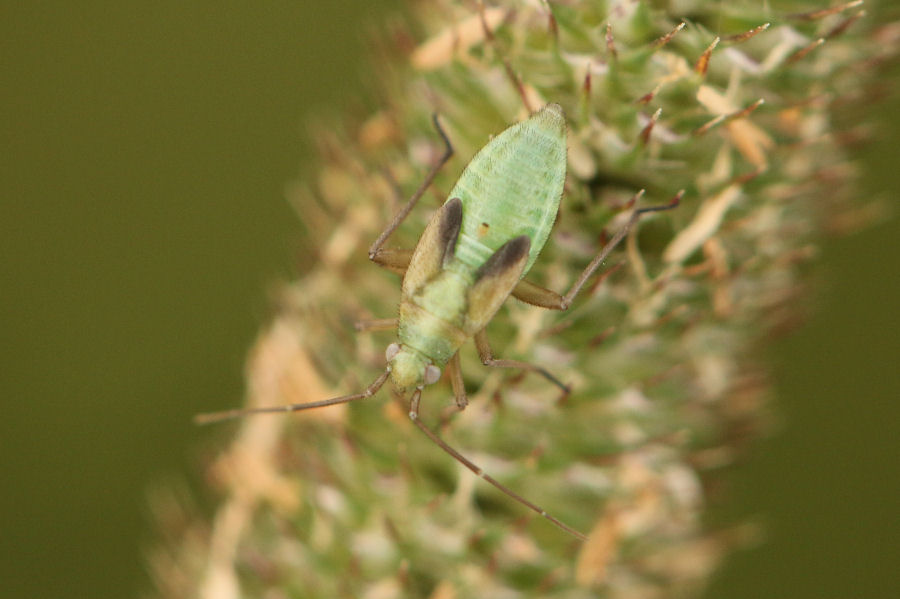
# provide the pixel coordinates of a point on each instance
(414, 416)
(371, 390)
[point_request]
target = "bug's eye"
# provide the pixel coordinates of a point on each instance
(432, 374)
(392, 350)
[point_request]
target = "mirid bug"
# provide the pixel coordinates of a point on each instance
(471, 256)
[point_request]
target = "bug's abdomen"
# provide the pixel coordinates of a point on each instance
(512, 187)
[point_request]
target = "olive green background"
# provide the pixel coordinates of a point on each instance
(146, 147)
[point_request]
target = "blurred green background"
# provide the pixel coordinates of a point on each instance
(142, 217)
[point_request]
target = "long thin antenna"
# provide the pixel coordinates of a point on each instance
(371, 390)
(414, 416)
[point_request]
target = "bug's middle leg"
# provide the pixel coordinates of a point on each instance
(487, 358)
(376, 248)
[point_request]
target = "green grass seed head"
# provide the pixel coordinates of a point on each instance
(733, 103)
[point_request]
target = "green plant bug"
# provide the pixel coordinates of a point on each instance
(472, 255)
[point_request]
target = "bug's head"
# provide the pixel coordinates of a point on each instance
(409, 368)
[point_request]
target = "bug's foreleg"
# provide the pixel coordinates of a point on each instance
(414, 416)
(487, 358)
(407, 208)
(546, 298)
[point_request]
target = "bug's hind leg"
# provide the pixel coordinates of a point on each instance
(546, 298)
(487, 358)
(375, 250)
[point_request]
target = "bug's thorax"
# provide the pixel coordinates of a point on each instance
(445, 294)
(432, 319)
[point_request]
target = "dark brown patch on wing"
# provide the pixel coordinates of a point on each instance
(507, 256)
(451, 221)
(494, 281)
(435, 248)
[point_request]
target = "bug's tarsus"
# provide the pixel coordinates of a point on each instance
(448, 147)
(487, 358)
(633, 200)
(673, 203)
(414, 416)
(371, 390)
(375, 249)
